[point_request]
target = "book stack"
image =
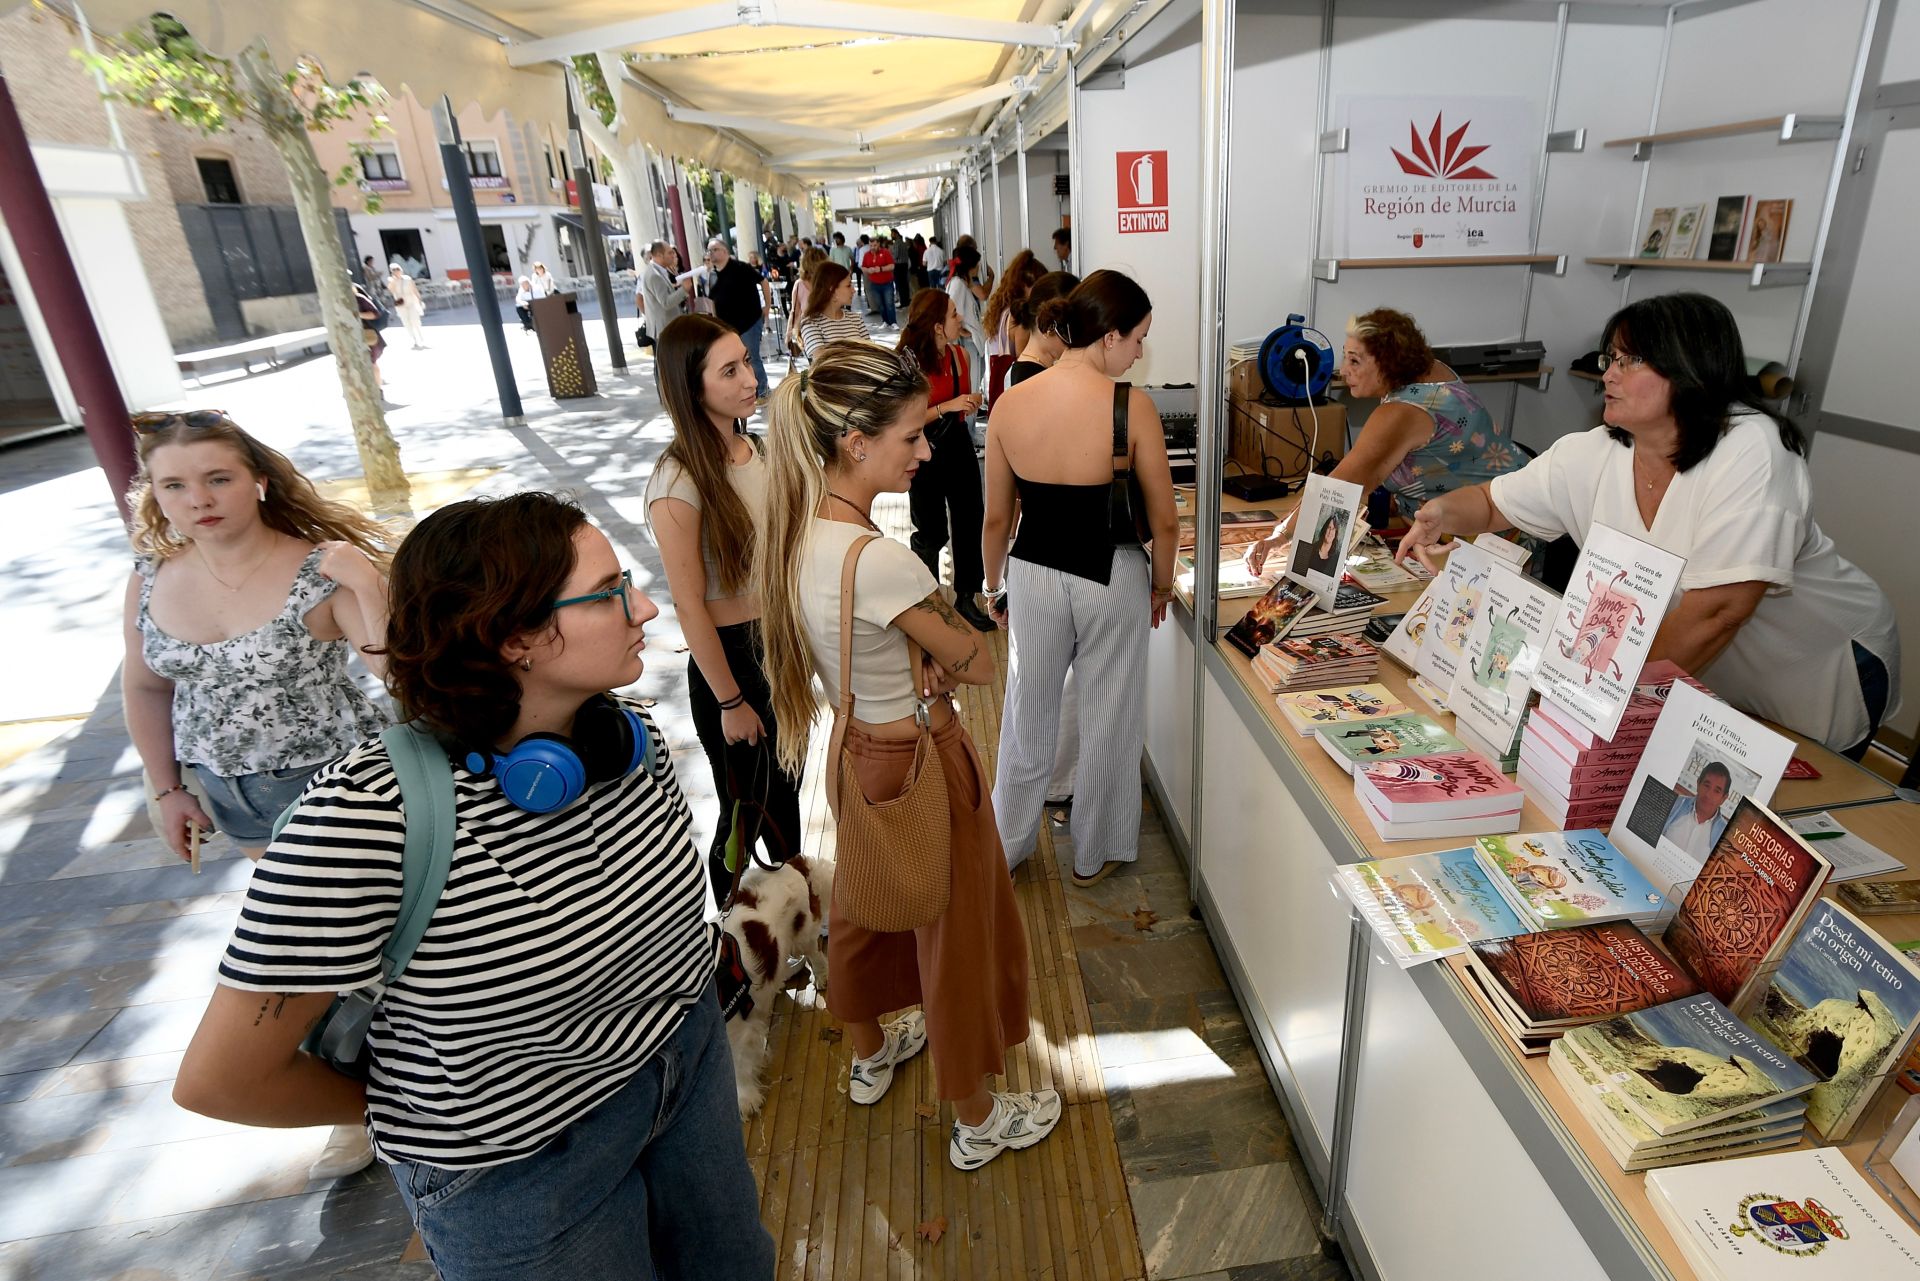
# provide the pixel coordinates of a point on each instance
(1578, 778)
(1556, 880)
(1680, 1082)
(1294, 663)
(1386, 738)
(1539, 986)
(1352, 606)
(1809, 1216)
(1308, 710)
(1450, 794)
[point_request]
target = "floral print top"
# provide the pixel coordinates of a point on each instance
(1467, 448)
(272, 699)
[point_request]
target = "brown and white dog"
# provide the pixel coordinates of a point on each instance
(778, 914)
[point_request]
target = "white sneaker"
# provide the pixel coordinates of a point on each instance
(1017, 1121)
(349, 1151)
(869, 1079)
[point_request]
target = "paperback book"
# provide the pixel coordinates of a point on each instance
(1687, 1064)
(1844, 1004)
(1618, 594)
(1425, 906)
(1308, 710)
(1386, 738)
(1557, 979)
(1701, 760)
(1493, 683)
(1269, 618)
(1329, 513)
(1556, 879)
(1807, 1215)
(1742, 911)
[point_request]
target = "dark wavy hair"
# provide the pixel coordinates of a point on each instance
(1105, 302)
(469, 578)
(1395, 343)
(1693, 342)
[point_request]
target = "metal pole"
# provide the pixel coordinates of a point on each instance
(467, 217)
(1020, 148)
(44, 257)
(596, 245)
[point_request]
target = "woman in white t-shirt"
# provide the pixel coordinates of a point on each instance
(705, 503)
(1772, 618)
(852, 427)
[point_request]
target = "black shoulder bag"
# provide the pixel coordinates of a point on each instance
(1126, 506)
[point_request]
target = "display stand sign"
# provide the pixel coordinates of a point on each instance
(1445, 177)
(1141, 190)
(1328, 519)
(1703, 757)
(1614, 603)
(1494, 680)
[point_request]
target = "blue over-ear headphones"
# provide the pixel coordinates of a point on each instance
(544, 772)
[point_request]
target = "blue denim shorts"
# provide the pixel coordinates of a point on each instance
(245, 806)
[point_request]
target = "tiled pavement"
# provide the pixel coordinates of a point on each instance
(107, 945)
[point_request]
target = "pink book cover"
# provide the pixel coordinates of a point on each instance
(1413, 785)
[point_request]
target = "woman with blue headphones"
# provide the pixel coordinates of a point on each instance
(549, 1081)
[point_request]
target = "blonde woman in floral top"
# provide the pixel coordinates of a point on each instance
(1429, 435)
(249, 590)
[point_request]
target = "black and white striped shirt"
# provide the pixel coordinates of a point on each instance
(565, 949)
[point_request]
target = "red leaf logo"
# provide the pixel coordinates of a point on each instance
(1438, 156)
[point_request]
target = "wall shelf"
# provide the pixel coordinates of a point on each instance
(1329, 269)
(1760, 275)
(1792, 127)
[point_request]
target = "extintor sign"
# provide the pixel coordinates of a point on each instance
(1141, 190)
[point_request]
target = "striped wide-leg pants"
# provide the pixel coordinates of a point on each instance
(1057, 620)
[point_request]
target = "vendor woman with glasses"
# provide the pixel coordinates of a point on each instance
(249, 590)
(1772, 618)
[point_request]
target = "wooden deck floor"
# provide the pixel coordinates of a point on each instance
(862, 1193)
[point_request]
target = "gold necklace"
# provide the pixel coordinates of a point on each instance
(208, 566)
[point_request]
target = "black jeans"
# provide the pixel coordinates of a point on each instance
(946, 501)
(754, 769)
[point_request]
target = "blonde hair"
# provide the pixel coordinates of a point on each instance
(292, 505)
(849, 387)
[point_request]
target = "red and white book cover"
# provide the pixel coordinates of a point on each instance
(1448, 785)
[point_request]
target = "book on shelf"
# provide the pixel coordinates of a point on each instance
(1634, 1145)
(1729, 231)
(1687, 1064)
(1425, 906)
(1743, 909)
(1852, 858)
(1553, 980)
(1326, 523)
(1618, 594)
(1268, 619)
(1559, 879)
(1875, 898)
(1845, 1004)
(1437, 828)
(1493, 683)
(1685, 238)
(1701, 759)
(1386, 738)
(1653, 243)
(1766, 239)
(1805, 1215)
(1307, 710)
(1462, 784)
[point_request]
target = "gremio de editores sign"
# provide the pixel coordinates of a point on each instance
(1141, 190)
(1438, 176)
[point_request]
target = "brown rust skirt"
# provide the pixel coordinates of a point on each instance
(968, 969)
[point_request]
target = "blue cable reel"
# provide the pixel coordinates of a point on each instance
(1296, 363)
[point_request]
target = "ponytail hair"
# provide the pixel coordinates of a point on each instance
(1106, 302)
(848, 387)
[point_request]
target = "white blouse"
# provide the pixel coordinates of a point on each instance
(1742, 514)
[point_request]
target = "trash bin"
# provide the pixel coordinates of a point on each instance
(563, 346)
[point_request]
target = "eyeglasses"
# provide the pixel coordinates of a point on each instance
(624, 591)
(1608, 359)
(160, 420)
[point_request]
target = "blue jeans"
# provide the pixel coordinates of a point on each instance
(880, 302)
(751, 337)
(652, 1183)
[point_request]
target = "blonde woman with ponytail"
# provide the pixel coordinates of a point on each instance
(850, 428)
